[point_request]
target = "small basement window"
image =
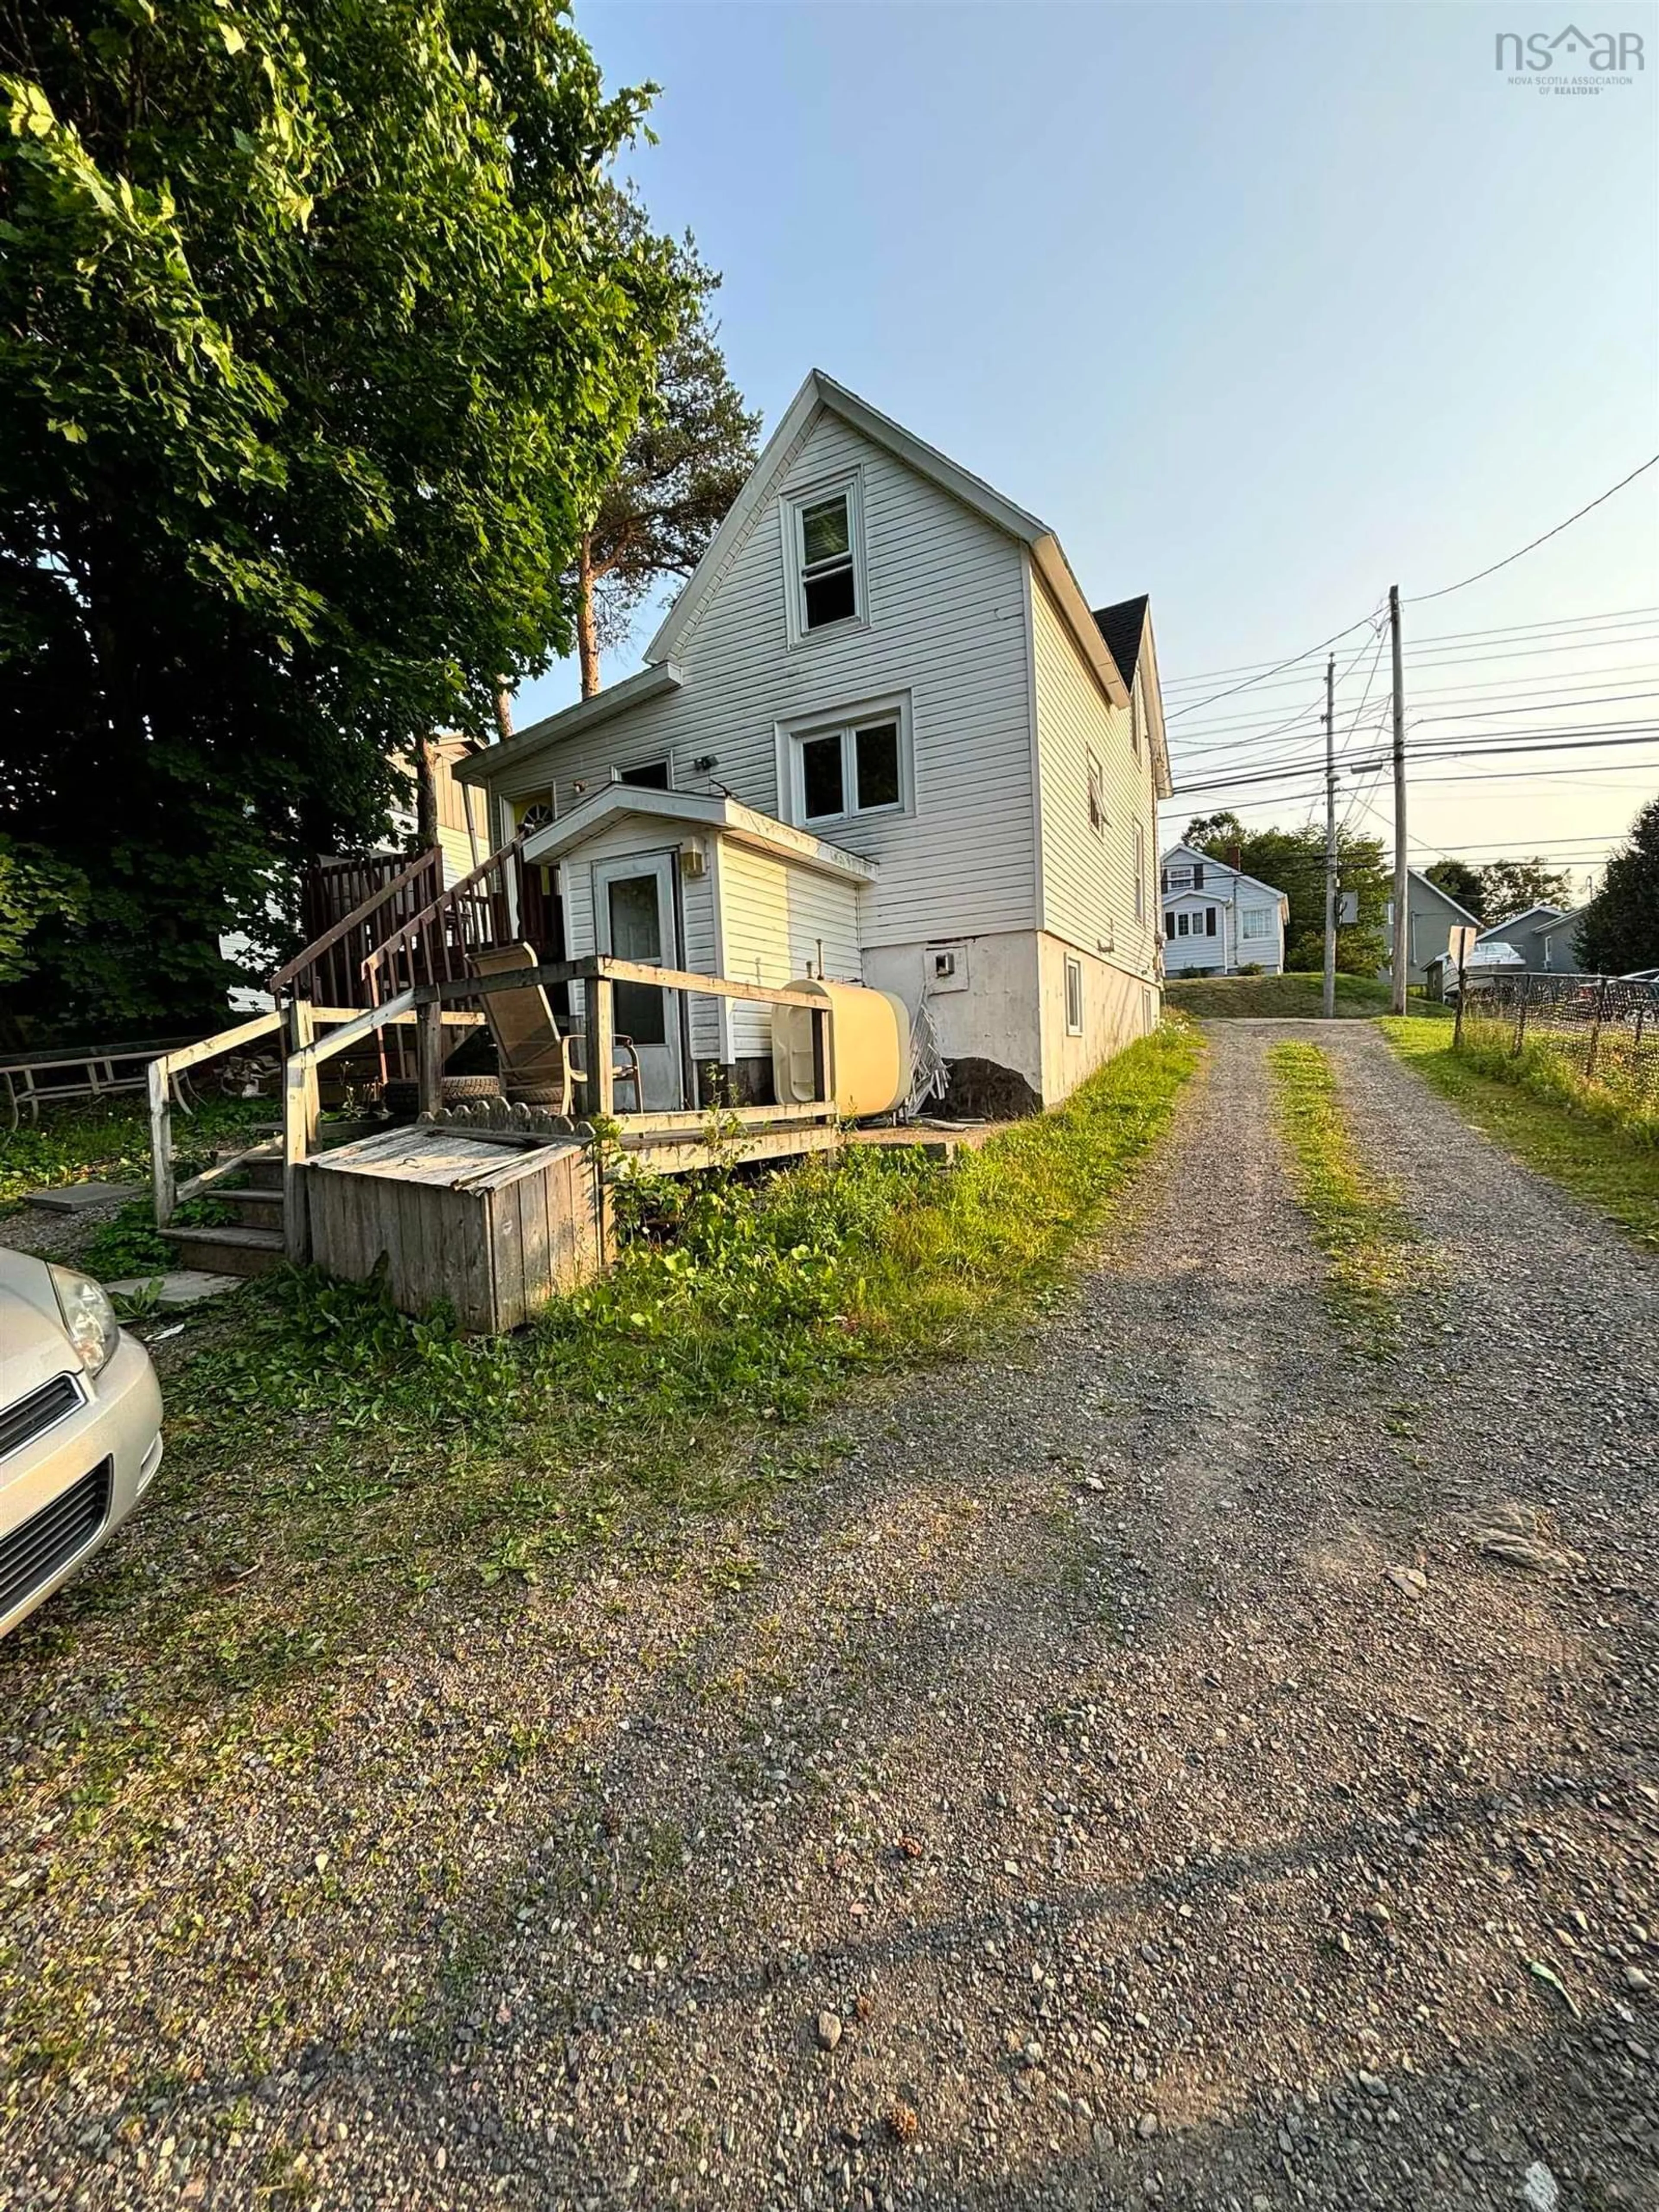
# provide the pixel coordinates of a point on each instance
(1073, 998)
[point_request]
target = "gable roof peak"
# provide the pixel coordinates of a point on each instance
(820, 390)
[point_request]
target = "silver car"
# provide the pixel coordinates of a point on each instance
(80, 1427)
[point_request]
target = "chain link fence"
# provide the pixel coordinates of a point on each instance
(1606, 1028)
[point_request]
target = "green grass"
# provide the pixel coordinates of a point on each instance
(1357, 1221)
(1624, 1092)
(1544, 1113)
(371, 1464)
(1214, 997)
(108, 1141)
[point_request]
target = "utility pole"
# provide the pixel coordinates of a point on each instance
(1401, 936)
(1330, 837)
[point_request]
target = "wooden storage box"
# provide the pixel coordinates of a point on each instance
(494, 1225)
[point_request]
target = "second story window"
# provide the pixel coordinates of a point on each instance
(850, 772)
(858, 764)
(1097, 797)
(824, 559)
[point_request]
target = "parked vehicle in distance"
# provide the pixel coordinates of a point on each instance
(80, 1427)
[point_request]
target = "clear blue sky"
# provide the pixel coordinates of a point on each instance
(1262, 307)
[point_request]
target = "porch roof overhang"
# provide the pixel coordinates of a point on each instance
(697, 810)
(489, 761)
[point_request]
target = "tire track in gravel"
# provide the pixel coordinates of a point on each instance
(1068, 1750)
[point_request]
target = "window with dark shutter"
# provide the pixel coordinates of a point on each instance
(1209, 921)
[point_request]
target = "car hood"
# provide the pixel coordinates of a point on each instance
(33, 1347)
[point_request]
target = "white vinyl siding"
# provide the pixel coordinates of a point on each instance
(776, 921)
(1095, 793)
(696, 903)
(945, 626)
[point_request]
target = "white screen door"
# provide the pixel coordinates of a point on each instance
(634, 918)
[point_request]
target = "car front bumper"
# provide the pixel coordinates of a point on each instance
(115, 1433)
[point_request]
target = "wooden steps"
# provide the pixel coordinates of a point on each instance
(253, 1208)
(230, 1249)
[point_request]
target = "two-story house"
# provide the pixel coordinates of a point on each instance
(1218, 920)
(881, 737)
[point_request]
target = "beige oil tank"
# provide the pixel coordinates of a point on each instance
(870, 1049)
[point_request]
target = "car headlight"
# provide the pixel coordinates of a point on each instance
(88, 1318)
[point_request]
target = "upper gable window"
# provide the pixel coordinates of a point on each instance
(824, 554)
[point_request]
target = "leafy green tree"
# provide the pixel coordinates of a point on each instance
(1463, 882)
(33, 886)
(686, 462)
(1619, 928)
(1509, 887)
(319, 342)
(1293, 862)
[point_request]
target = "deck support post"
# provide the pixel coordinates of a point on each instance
(301, 1113)
(602, 1048)
(160, 1143)
(428, 1058)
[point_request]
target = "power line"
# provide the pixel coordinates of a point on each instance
(1576, 626)
(1615, 618)
(1346, 631)
(1587, 739)
(1565, 703)
(1422, 598)
(1506, 656)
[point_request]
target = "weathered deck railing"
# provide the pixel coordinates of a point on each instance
(501, 901)
(164, 1072)
(329, 971)
(430, 1005)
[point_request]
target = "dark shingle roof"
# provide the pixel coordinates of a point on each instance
(1122, 627)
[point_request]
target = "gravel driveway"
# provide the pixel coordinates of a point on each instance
(1050, 1799)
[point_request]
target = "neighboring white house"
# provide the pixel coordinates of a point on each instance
(1218, 920)
(880, 736)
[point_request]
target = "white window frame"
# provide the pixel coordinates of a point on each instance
(1140, 871)
(1098, 818)
(849, 484)
(1073, 987)
(1255, 922)
(845, 722)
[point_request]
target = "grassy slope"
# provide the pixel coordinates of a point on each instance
(1590, 1154)
(1210, 997)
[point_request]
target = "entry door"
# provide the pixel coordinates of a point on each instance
(634, 918)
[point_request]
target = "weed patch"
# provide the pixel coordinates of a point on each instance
(1549, 1118)
(1357, 1222)
(339, 1466)
(109, 1139)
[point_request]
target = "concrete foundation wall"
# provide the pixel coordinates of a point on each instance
(1117, 1008)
